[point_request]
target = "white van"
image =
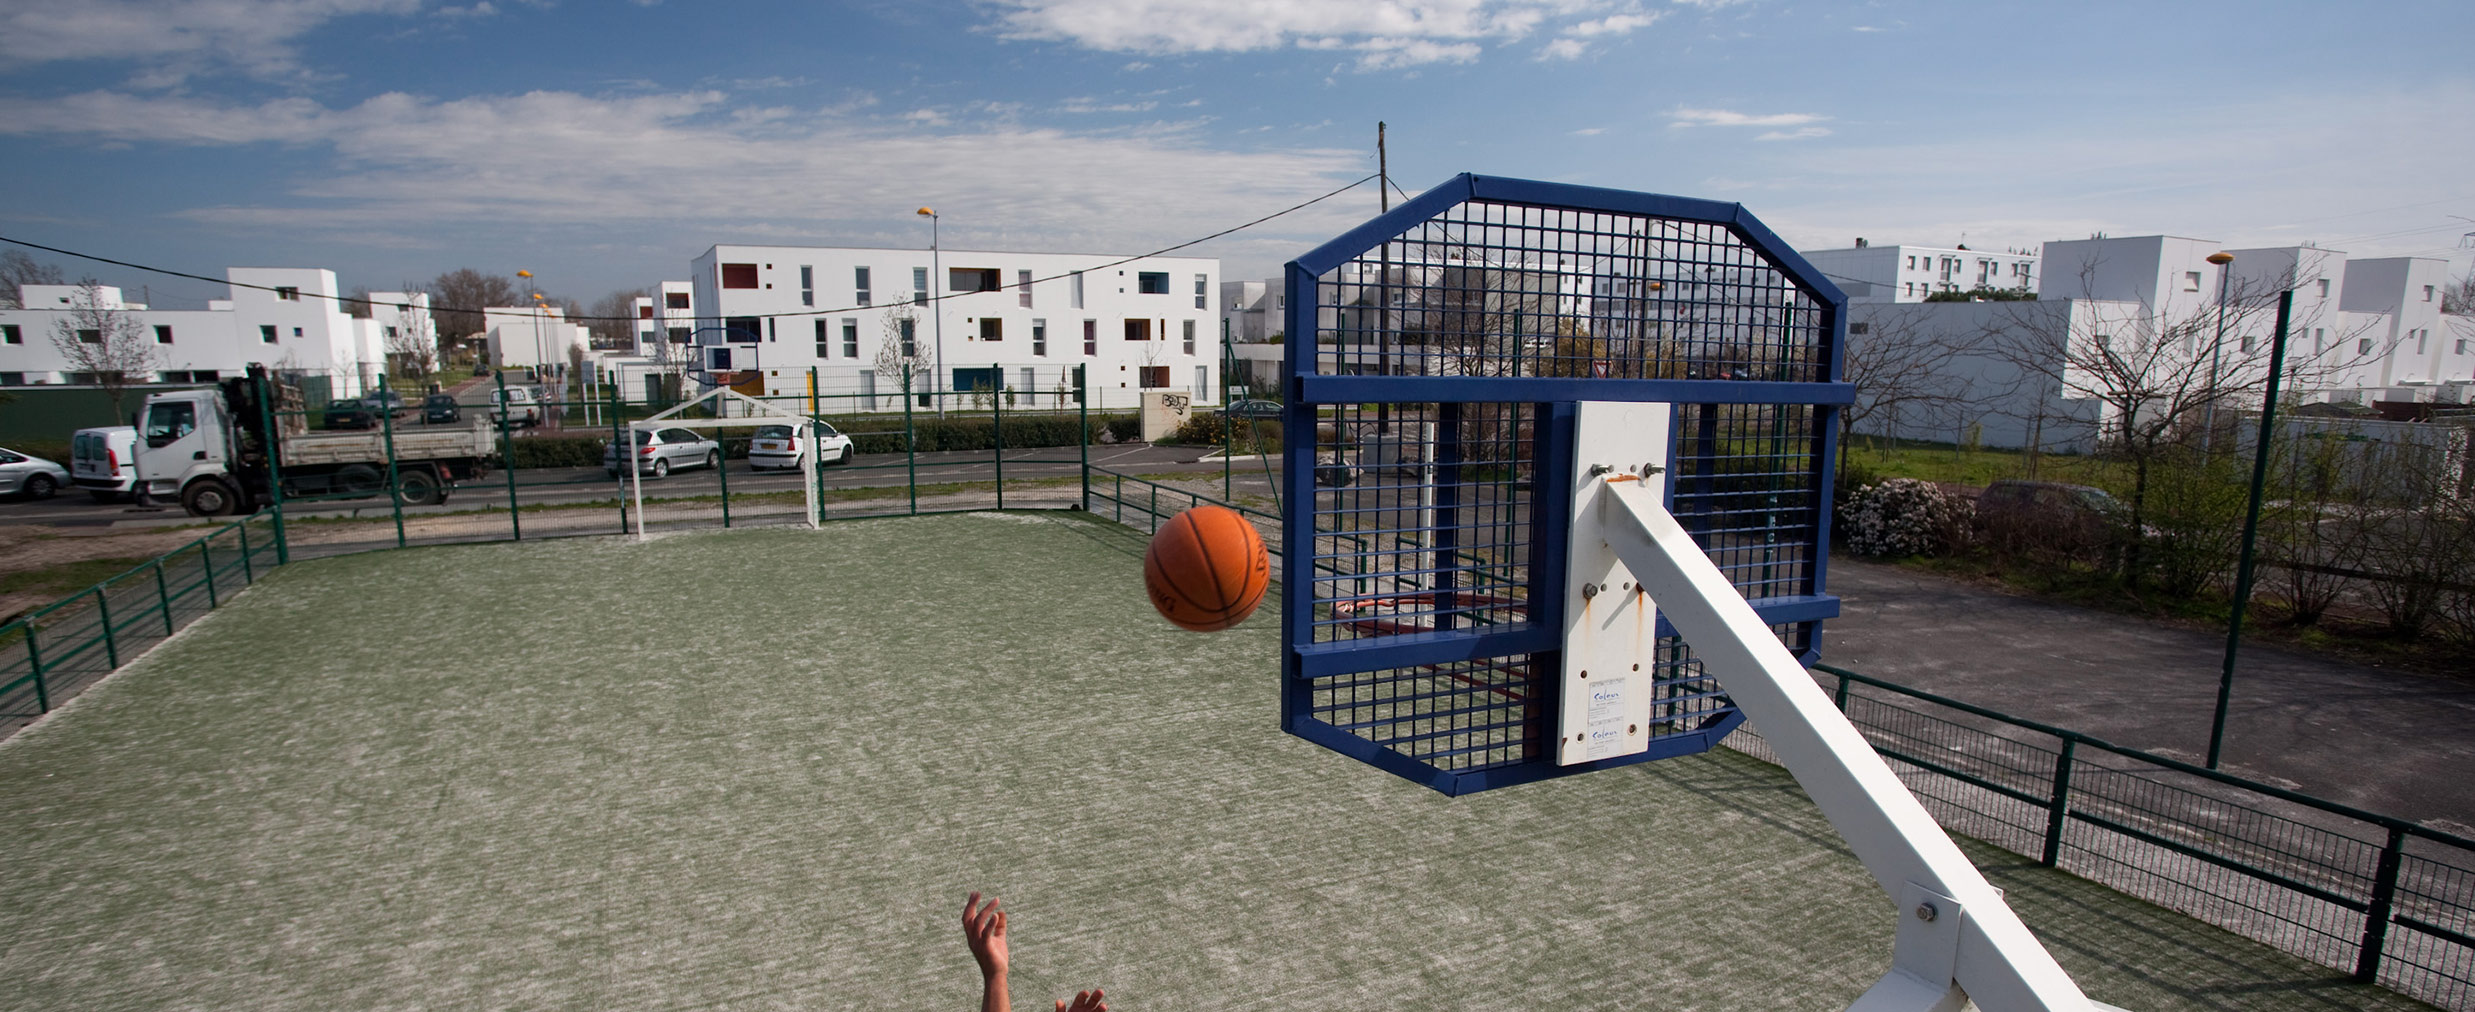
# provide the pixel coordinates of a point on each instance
(517, 405)
(104, 461)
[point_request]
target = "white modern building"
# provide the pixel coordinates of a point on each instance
(532, 337)
(668, 315)
(1250, 311)
(2360, 331)
(1869, 273)
(285, 318)
(965, 321)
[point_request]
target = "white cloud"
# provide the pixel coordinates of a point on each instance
(1135, 65)
(1386, 34)
(173, 40)
(1727, 118)
(1798, 134)
(1092, 105)
(1563, 49)
(694, 161)
(1589, 131)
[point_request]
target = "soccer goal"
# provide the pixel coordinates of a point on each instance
(722, 401)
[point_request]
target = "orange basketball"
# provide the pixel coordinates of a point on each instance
(1206, 569)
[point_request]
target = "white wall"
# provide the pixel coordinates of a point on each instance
(312, 334)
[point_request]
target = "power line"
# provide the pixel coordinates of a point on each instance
(351, 300)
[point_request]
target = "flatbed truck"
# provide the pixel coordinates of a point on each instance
(207, 449)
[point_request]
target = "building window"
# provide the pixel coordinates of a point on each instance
(296, 331)
(2324, 287)
(679, 300)
(2247, 344)
(2191, 281)
(992, 329)
(2420, 335)
(1912, 263)
(1190, 336)
(850, 338)
(1859, 328)
(644, 312)
(2461, 346)
(824, 339)
(971, 279)
(680, 335)
(743, 329)
(1152, 377)
(1039, 337)
(1075, 291)
(1152, 282)
(910, 329)
(1203, 383)
(919, 285)
(86, 336)
(9, 334)
(1202, 301)
(807, 285)
(287, 293)
(2105, 342)
(1022, 280)
(1091, 337)
(2427, 293)
(163, 334)
(859, 286)
(1138, 330)
(12, 379)
(2363, 347)
(266, 333)
(738, 275)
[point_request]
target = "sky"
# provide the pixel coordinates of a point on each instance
(602, 145)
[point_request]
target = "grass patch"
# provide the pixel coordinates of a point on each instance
(62, 579)
(1871, 459)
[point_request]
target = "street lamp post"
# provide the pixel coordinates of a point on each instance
(936, 309)
(2208, 416)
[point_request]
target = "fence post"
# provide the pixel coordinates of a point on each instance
(34, 660)
(249, 573)
(206, 561)
(816, 454)
(721, 470)
(507, 453)
(163, 593)
(274, 468)
(996, 428)
(1841, 697)
(618, 452)
(395, 475)
(910, 442)
(2384, 898)
(1082, 424)
(111, 642)
(2059, 809)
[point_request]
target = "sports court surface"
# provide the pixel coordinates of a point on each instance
(760, 769)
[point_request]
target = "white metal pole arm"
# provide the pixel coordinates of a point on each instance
(1955, 932)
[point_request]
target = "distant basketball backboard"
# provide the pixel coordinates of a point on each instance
(1437, 357)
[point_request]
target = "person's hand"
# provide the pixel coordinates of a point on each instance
(1084, 1001)
(984, 932)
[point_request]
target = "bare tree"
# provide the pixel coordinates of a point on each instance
(613, 321)
(461, 294)
(412, 346)
(357, 305)
(1901, 367)
(107, 344)
(19, 269)
(901, 350)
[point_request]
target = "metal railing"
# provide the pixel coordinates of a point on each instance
(2387, 900)
(52, 653)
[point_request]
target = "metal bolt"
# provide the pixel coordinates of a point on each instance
(1632, 729)
(1585, 674)
(1926, 912)
(1599, 469)
(1650, 469)
(1628, 584)
(1637, 667)
(1588, 591)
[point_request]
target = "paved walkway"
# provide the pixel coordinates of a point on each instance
(2389, 741)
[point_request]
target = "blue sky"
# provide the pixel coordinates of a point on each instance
(602, 145)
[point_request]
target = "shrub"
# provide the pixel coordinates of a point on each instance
(1208, 430)
(559, 451)
(978, 433)
(1905, 516)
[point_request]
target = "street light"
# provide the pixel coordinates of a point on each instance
(936, 308)
(2208, 416)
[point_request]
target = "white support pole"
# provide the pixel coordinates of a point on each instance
(1957, 939)
(635, 479)
(808, 475)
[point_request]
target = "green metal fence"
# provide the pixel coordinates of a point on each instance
(52, 653)
(2388, 900)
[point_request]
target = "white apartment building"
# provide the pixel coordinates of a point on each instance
(1869, 273)
(1251, 311)
(532, 337)
(2359, 331)
(973, 320)
(289, 321)
(667, 315)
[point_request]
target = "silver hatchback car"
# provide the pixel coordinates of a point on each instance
(662, 451)
(30, 476)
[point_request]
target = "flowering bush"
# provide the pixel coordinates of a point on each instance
(1905, 516)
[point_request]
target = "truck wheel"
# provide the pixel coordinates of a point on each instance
(418, 488)
(359, 479)
(209, 497)
(661, 467)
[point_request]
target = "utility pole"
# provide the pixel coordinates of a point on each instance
(1383, 170)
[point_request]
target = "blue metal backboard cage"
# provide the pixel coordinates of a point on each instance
(1435, 358)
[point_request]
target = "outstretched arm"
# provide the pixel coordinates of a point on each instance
(984, 932)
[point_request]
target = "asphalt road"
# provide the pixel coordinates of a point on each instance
(549, 486)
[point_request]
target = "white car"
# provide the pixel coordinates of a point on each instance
(515, 404)
(661, 451)
(777, 446)
(30, 476)
(104, 461)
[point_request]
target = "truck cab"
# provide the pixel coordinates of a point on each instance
(184, 451)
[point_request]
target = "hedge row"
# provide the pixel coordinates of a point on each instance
(931, 433)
